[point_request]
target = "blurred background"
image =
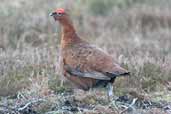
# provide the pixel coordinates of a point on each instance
(135, 32)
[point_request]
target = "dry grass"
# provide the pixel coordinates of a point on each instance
(136, 33)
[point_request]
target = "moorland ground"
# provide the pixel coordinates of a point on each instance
(135, 32)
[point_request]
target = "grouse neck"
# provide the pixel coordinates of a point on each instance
(68, 30)
(69, 35)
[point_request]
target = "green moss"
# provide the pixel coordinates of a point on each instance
(161, 96)
(100, 7)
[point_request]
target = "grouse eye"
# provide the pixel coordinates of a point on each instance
(59, 14)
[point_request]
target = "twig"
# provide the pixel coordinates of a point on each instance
(133, 102)
(30, 103)
(116, 108)
(20, 95)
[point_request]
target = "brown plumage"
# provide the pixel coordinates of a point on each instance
(84, 64)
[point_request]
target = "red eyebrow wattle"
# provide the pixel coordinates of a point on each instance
(60, 10)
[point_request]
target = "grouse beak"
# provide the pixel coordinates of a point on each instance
(52, 14)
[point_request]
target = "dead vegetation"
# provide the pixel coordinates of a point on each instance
(136, 33)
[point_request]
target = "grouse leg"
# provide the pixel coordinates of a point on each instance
(110, 91)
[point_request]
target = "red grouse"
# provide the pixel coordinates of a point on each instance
(85, 65)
